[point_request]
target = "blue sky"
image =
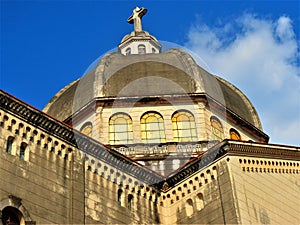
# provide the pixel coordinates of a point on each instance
(253, 44)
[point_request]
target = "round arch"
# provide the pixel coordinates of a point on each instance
(152, 127)
(11, 216)
(120, 129)
(87, 128)
(13, 209)
(234, 134)
(183, 126)
(217, 128)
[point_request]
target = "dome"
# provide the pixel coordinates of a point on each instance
(169, 73)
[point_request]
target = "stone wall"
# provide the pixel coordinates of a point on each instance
(204, 198)
(49, 180)
(236, 190)
(44, 178)
(267, 190)
(118, 201)
(55, 183)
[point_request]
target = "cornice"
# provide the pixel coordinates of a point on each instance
(165, 99)
(233, 148)
(262, 150)
(73, 137)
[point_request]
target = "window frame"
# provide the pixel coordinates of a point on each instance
(130, 198)
(217, 131)
(149, 135)
(128, 51)
(10, 145)
(85, 126)
(184, 130)
(141, 49)
(23, 151)
(235, 133)
(127, 132)
(189, 207)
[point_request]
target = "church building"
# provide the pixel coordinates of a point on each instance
(144, 137)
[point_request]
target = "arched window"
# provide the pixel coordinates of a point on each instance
(217, 129)
(130, 201)
(9, 145)
(22, 150)
(120, 129)
(12, 216)
(121, 197)
(152, 128)
(128, 51)
(87, 129)
(189, 207)
(153, 50)
(199, 202)
(183, 126)
(234, 135)
(141, 49)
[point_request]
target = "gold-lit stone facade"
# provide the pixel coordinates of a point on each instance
(133, 148)
(59, 182)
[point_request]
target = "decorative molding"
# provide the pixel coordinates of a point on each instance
(262, 150)
(16, 202)
(73, 137)
(276, 166)
(229, 147)
(142, 151)
(90, 146)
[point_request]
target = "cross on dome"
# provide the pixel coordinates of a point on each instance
(136, 18)
(138, 41)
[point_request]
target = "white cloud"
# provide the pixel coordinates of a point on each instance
(284, 28)
(260, 57)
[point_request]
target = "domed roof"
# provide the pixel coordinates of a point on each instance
(170, 72)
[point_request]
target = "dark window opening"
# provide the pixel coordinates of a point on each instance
(130, 199)
(9, 144)
(11, 216)
(120, 197)
(22, 150)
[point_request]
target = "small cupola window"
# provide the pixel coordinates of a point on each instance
(142, 49)
(128, 51)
